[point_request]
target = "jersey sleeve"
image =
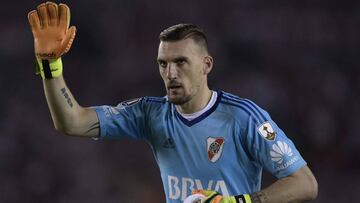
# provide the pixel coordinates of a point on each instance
(269, 146)
(126, 120)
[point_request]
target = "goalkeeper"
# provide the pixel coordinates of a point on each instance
(208, 142)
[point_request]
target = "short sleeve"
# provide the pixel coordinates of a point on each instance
(126, 120)
(270, 147)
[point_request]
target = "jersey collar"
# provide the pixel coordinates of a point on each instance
(203, 115)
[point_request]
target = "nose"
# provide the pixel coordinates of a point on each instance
(171, 72)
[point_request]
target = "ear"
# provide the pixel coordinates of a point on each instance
(208, 64)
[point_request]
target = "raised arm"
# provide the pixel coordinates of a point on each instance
(52, 38)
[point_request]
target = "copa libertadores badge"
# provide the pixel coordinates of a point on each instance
(267, 131)
(214, 146)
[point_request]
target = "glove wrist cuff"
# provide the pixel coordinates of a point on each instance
(49, 68)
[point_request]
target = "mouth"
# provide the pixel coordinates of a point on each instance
(174, 87)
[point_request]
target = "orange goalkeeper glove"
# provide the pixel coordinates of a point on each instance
(215, 197)
(52, 37)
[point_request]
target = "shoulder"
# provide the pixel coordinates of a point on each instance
(155, 100)
(143, 103)
(155, 103)
(242, 108)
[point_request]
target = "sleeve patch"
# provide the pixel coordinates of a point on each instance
(282, 154)
(267, 131)
(128, 103)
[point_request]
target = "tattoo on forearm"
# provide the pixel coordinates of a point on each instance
(93, 127)
(258, 197)
(67, 97)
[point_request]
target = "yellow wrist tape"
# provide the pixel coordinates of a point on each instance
(247, 198)
(49, 68)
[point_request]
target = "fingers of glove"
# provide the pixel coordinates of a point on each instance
(64, 16)
(198, 192)
(34, 20)
(68, 39)
(211, 196)
(207, 193)
(43, 15)
(216, 199)
(52, 9)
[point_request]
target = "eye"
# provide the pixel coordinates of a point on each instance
(162, 64)
(180, 62)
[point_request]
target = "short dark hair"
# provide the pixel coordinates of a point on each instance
(183, 31)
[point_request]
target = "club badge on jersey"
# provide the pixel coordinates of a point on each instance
(214, 146)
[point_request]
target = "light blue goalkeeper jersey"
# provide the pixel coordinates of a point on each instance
(224, 149)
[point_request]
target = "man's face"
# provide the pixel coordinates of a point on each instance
(182, 66)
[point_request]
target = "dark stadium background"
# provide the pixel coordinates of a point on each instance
(297, 59)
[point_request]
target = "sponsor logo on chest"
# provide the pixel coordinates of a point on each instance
(180, 187)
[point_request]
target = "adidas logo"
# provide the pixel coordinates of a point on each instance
(169, 143)
(279, 150)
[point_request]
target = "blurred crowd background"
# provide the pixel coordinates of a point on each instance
(297, 59)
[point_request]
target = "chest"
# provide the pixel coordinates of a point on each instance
(206, 145)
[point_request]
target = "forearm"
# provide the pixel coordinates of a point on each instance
(298, 187)
(62, 105)
(68, 116)
(278, 192)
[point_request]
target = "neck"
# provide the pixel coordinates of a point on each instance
(198, 102)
